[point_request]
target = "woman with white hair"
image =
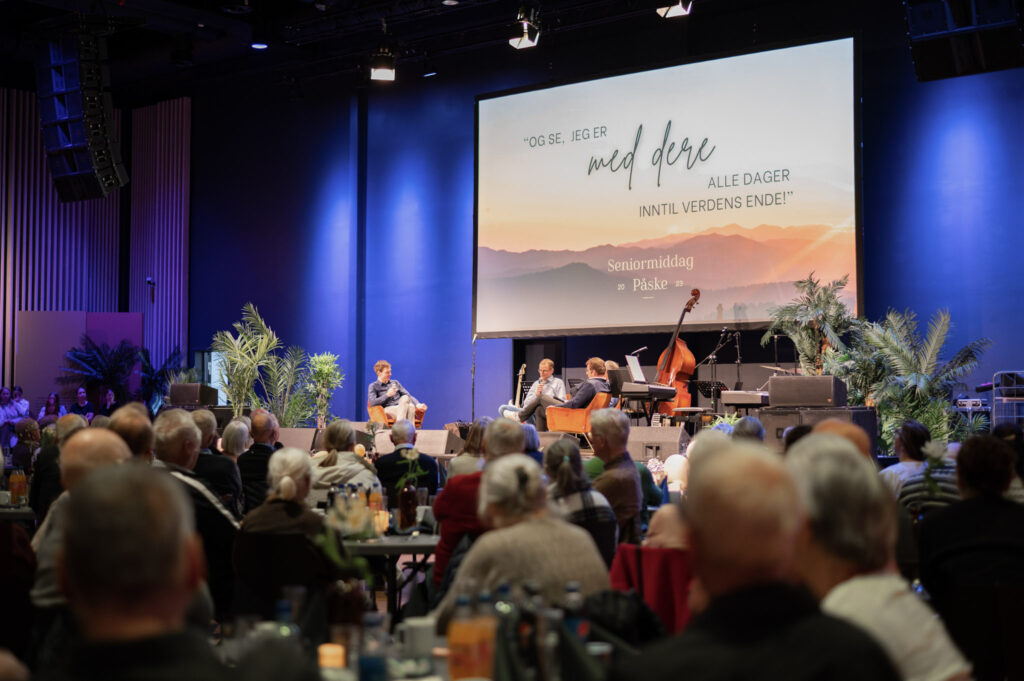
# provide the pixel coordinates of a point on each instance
(338, 465)
(289, 478)
(527, 542)
(235, 440)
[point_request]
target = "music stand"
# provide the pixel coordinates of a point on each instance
(712, 390)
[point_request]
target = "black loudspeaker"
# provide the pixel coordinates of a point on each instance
(437, 442)
(192, 394)
(300, 438)
(653, 442)
(776, 421)
(806, 391)
(77, 118)
(960, 37)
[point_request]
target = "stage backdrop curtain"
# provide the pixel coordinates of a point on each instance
(161, 138)
(53, 255)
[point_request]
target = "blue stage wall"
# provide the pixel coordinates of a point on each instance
(941, 204)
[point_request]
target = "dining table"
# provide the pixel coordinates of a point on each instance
(391, 548)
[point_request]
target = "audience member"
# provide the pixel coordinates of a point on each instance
(83, 407)
(252, 465)
(1012, 435)
(220, 473)
(908, 443)
(793, 434)
(391, 467)
(934, 486)
(84, 451)
(748, 428)
(290, 477)
(338, 464)
(845, 554)
(131, 592)
(744, 516)
(978, 541)
(620, 481)
(51, 411)
(9, 417)
(176, 449)
(132, 423)
(667, 529)
(456, 506)
(470, 459)
(235, 440)
(100, 421)
(847, 430)
(46, 485)
(19, 401)
(650, 491)
(23, 454)
(571, 493)
(17, 570)
(531, 443)
(110, 404)
(527, 543)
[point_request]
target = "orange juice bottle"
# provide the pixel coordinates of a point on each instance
(376, 498)
(486, 623)
(18, 486)
(463, 641)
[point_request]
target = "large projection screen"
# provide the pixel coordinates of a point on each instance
(601, 204)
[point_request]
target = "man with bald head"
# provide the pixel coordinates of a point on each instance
(252, 464)
(744, 516)
(46, 485)
(84, 451)
(176, 449)
(391, 467)
(456, 506)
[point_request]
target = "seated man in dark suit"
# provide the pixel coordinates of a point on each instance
(391, 467)
(744, 517)
(597, 382)
(219, 472)
(252, 465)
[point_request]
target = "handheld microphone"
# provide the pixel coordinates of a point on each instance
(638, 350)
(474, 339)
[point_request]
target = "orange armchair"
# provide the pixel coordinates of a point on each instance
(378, 415)
(565, 420)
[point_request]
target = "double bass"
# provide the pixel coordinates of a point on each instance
(676, 364)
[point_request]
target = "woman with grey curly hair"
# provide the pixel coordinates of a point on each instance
(527, 542)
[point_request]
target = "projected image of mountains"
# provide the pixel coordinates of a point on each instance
(741, 272)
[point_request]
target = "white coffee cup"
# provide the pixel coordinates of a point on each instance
(416, 636)
(5, 498)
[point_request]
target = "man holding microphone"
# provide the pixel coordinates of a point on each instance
(396, 400)
(548, 390)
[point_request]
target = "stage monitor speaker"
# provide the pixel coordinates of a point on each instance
(76, 113)
(225, 414)
(192, 394)
(806, 391)
(548, 437)
(653, 442)
(776, 421)
(459, 428)
(961, 37)
(300, 438)
(437, 442)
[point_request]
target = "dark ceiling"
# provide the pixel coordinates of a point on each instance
(165, 48)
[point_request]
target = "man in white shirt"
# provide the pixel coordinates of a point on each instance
(845, 555)
(546, 391)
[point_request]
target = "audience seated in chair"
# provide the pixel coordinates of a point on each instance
(744, 516)
(132, 423)
(176, 449)
(470, 459)
(252, 464)
(845, 555)
(219, 472)
(527, 542)
(972, 560)
(571, 492)
(338, 464)
(620, 481)
(391, 467)
(456, 507)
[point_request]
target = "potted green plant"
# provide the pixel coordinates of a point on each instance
(242, 355)
(324, 378)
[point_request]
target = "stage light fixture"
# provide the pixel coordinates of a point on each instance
(531, 29)
(382, 64)
(676, 10)
(449, 3)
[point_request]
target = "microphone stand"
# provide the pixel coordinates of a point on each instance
(472, 392)
(712, 361)
(739, 383)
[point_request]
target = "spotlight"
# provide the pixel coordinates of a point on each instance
(382, 64)
(531, 29)
(260, 39)
(449, 3)
(676, 10)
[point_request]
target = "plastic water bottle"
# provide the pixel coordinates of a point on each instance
(574, 619)
(373, 663)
